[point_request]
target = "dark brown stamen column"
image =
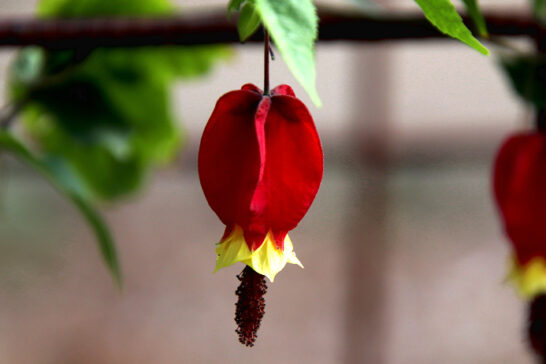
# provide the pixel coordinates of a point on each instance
(250, 307)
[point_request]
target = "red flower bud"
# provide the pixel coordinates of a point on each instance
(260, 167)
(520, 192)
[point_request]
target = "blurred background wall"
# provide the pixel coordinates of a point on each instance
(404, 256)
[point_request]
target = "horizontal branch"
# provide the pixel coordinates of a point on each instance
(214, 27)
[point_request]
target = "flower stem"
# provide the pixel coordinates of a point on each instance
(250, 306)
(266, 62)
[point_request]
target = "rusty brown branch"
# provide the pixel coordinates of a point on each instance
(214, 27)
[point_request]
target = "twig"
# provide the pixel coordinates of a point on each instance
(8, 114)
(504, 44)
(214, 27)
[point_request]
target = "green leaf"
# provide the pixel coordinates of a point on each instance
(110, 114)
(106, 112)
(24, 72)
(29, 65)
(293, 26)
(67, 183)
(539, 9)
(443, 15)
(189, 62)
(527, 75)
(96, 8)
(234, 5)
(473, 9)
(78, 121)
(249, 21)
(103, 235)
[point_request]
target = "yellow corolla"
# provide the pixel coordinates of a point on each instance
(267, 260)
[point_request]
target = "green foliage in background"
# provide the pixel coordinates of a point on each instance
(109, 114)
(539, 9)
(104, 114)
(108, 111)
(68, 184)
(443, 15)
(527, 75)
(526, 72)
(235, 5)
(473, 9)
(97, 8)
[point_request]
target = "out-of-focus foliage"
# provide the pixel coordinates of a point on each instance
(103, 116)
(539, 9)
(234, 6)
(93, 8)
(473, 9)
(109, 115)
(443, 15)
(61, 176)
(527, 75)
(107, 111)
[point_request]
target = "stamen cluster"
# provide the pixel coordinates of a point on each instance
(250, 307)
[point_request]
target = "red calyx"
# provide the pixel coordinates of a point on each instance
(260, 162)
(520, 192)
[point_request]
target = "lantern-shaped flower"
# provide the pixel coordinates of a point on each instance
(520, 191)
(260, 166)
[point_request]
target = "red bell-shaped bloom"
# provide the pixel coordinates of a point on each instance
(260, 167)
(520, 192)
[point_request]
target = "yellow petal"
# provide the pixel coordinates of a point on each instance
(267, 260)
(529, 279)
(289, 252)
(232, 250)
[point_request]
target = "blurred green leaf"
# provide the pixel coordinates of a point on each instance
(293, 26)
(108, 111)
(24, 71)
(109, 170)
(94, 8)
(103, 235)
(475, 13)
(249, 21)
(539, 9)
(527, 75)
(109, 118)
(188, 62)
(101, 119)
(234, 5)
(69, 185)
(443, 15)
(29, 65)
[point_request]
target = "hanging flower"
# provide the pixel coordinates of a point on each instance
(260, 167)
(520, 192)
